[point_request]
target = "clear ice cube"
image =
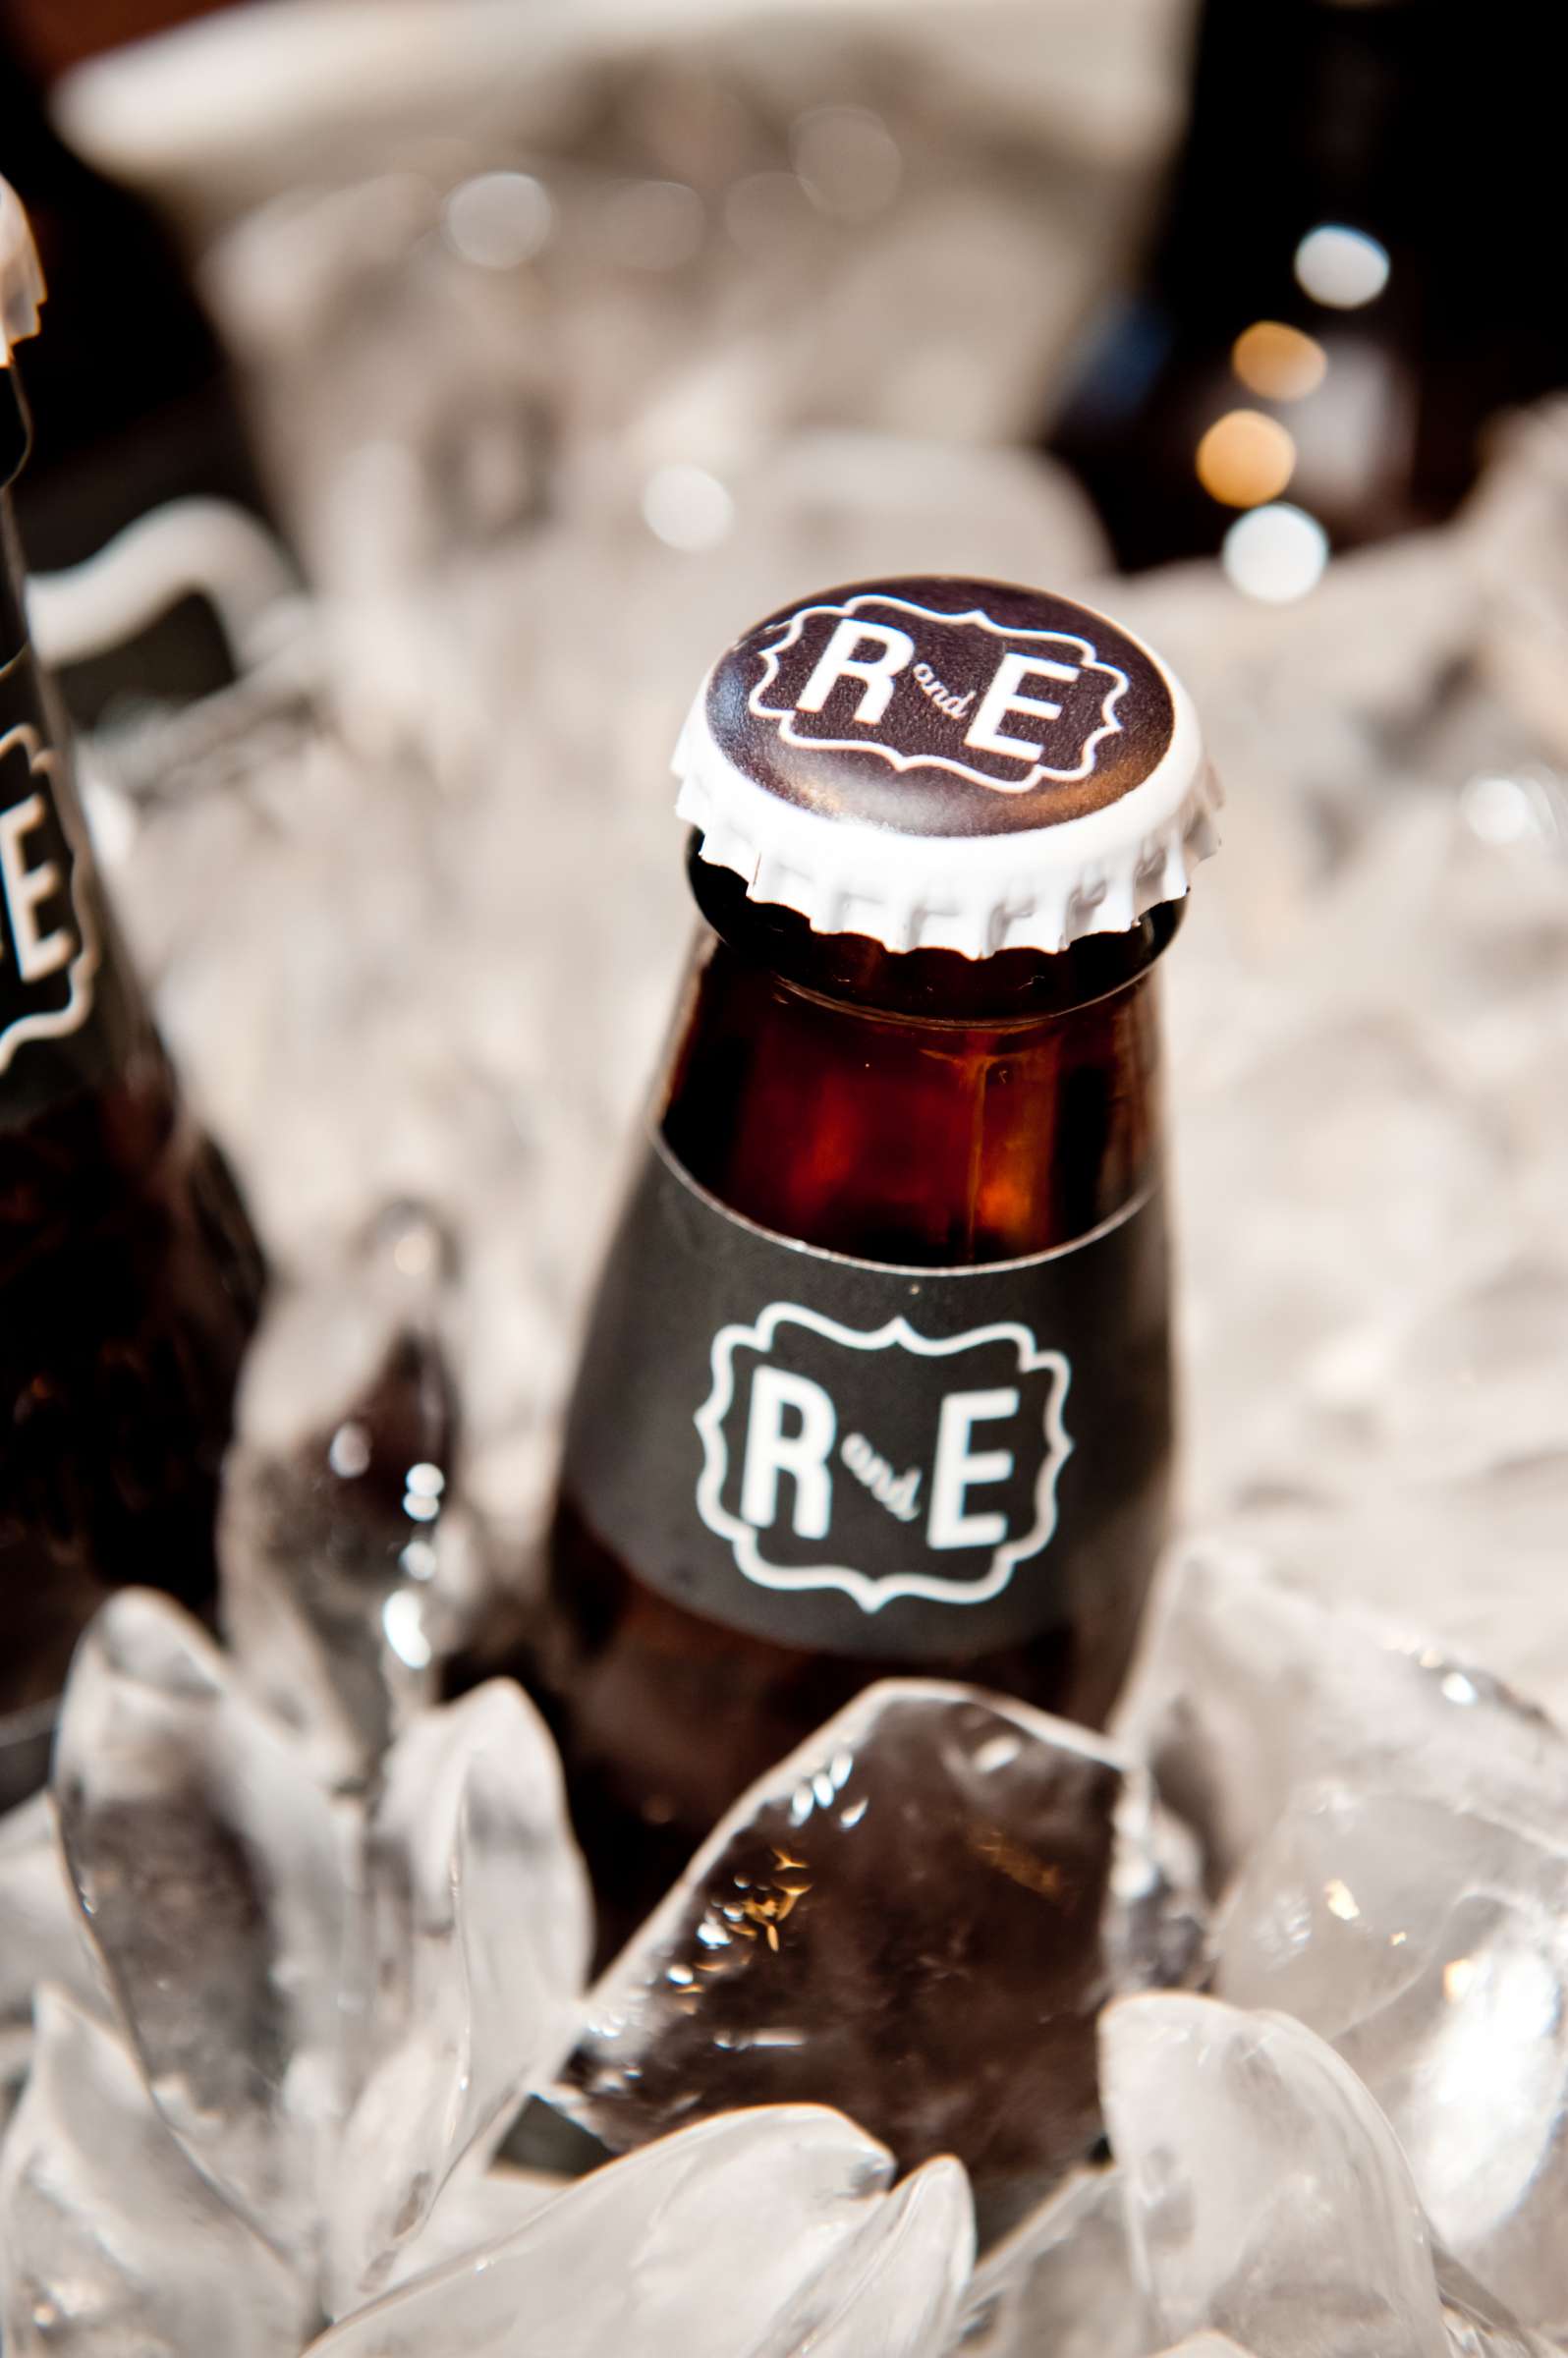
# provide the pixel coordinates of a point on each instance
(346, 1548)
(1063, 2284)
(1267, 2196)
(480, 1926)
(474, 2207)
(1430, 1945)
(1249, 1687)
(693, 2248)
(42, 1938)
(215, 1877)
(111, 2241)
(894, 2291)
(915, 1917)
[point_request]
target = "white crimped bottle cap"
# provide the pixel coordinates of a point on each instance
(941, 763)
(22, 286)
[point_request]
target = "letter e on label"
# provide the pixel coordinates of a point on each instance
(38, 954)
(958, 1469)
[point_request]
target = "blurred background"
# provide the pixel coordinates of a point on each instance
(431, 388)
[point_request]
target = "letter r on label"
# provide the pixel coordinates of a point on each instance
(802, 1454)
(840, 659)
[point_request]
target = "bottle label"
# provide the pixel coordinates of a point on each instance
(51, 934)
(847, 1455)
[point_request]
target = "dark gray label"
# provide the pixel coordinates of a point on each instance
(842, 1454)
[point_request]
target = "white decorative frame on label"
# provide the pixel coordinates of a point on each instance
(873, 1591)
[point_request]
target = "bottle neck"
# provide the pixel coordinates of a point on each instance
(937, 988)
(917, 1108)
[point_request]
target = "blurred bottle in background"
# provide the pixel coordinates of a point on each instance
(1357, 266)
(135, 401)
(129, 1280)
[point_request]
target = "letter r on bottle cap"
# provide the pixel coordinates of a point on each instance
(840, 660)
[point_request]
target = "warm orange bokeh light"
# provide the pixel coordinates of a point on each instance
(1278, 361)
(1245, 458)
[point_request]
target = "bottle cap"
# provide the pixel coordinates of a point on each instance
(22, 286)
(950, 765)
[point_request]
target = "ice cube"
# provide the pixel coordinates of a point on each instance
(474, 2208)
(1248, 1687)
(1479, 2326)
(347, 1552)
(212, 1870)
(41, 1933)
(1430, 1945)
(1267, 2196)
(1063, 2282)
(894, 2291)
(916, 1916)
(696, 2247)
(480, 1925)
(111, 2242)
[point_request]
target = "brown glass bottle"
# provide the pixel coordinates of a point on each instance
(129, 1280)
(1313, 120)
(919, 1109)
(876, 1377)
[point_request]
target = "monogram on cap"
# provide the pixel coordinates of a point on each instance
(838, 666)
(941, 708)
(948, 762)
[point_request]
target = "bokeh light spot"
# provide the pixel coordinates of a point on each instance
(1276, 553)
(687, 508)
(1341, 267)
(499, 220)
(1245, 458)
(1278, 361)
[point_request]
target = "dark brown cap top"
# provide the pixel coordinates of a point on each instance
(947, 762)
(941, 706)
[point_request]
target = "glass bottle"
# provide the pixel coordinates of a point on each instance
(879, 1378)
(1341, 289)
(129, 1280)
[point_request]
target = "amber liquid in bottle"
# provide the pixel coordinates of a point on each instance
(915, 1109)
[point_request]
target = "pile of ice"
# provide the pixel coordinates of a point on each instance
(314, 2065)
